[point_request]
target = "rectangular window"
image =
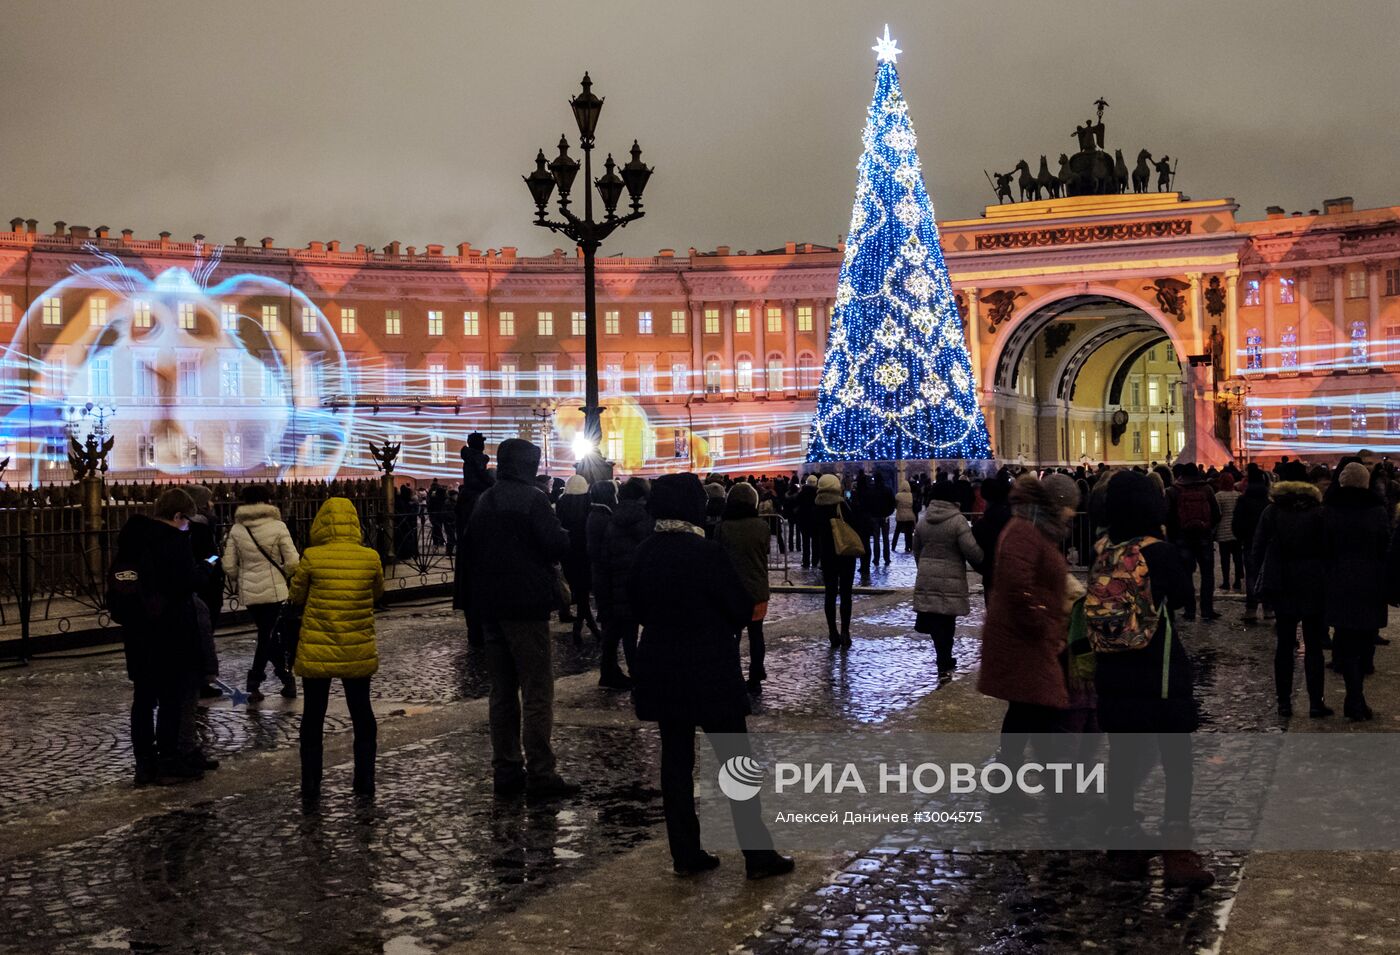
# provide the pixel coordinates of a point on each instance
(435, 323)
(437, 379)
(393, 322)
(1359, 422)
(680, 444)
(309, 320)
(1392, 281)
(576, 379)
(269, 319)
(53, 311)
(1356, 283)
(97, 312)
(1137, 442)
(804, 318)
(1152, 353)
(644, 323)
(228, 316)
(743, 374)
(1154, 441)
(545, 328)
(233, 449)
(100, 376)
(614, 444)
(1153, 393)
(678, 322)
(437, 449)
(185, 311)
(1285, 291)
(506, 324)
(612, 323)
(510, 378)
(612, 377)
(7, 309)
(646, 377)
(680, 378)
(187, 381)
(711, 321)
(1323, 418)
(471, 324)
(1392, 344)
(471, 380)
(716, 442)
(1136, 390)
(230, 377)
(146, 450)
(775, 319)
(347, 321)
(140, 314)
(1322, 284)
(578, 323)
(143, 378)
(1290, 423)
(544, 375)
(1392, 417)
(1254, 424)
(742, 325)
(1171, 353)
(1251, 292)
(395, 374)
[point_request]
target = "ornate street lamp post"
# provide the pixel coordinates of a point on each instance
(587, 233)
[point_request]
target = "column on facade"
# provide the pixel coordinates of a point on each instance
(974, 338)
(789, 382)
(1374, 332)
(821, 320)
(1198, 311)
(1266, 293)
(697, 347)
(1339, 313)
(1232, 322)
(760, 346)
(727, 359)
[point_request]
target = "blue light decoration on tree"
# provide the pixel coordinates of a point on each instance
(897, 383)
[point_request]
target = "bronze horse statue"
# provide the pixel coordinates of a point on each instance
(1045, 181)
(1120, 171)
(1142, 172)
(1066, 175)
(1030, 188)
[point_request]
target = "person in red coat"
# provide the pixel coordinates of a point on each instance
(1027, 625)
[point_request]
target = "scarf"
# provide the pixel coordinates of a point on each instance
(671, 526)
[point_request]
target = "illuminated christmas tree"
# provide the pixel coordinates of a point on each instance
(897, 382)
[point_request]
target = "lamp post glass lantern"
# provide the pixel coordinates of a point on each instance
(586, 232)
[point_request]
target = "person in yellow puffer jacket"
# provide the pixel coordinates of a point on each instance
(338, 580)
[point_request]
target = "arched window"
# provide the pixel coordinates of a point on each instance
(775, 379)
(1358, 343)
(714, 375)
(1253, 350)
(1288, 344)
(806, 371)
(743, 374)
(1254, 426)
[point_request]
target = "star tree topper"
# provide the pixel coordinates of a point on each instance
(885, 50)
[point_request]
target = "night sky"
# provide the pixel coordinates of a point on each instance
(368, 122)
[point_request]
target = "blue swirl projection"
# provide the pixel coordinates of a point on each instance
(188, 377)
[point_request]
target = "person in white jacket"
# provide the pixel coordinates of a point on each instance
(259, 558)
(904, 516)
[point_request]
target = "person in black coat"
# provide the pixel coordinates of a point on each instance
(514, 540)
(987, 530)
(164, 659)
(1357, 536)
(838, 573)
(602, 498)
(690, 603)
(573, 509)
(804, 514)
(1147, 693)
(1288, 549)
(629, 525)
(476, 478)
(1254, 498)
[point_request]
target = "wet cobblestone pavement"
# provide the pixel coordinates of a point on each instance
(435, 860)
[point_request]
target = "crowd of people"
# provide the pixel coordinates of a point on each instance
(670, 575)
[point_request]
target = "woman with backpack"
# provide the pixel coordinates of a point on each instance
(1142, 676)
(338, 580)
(259, 560)
(838, 570)
(944, 546)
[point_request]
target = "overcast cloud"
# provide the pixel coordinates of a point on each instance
(368, 122)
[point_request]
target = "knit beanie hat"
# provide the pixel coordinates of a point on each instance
(576, 484)
(677, 497)
(812, 480)
(1354, 475)
(745, 493)
(829, 482)
(1062, 490)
